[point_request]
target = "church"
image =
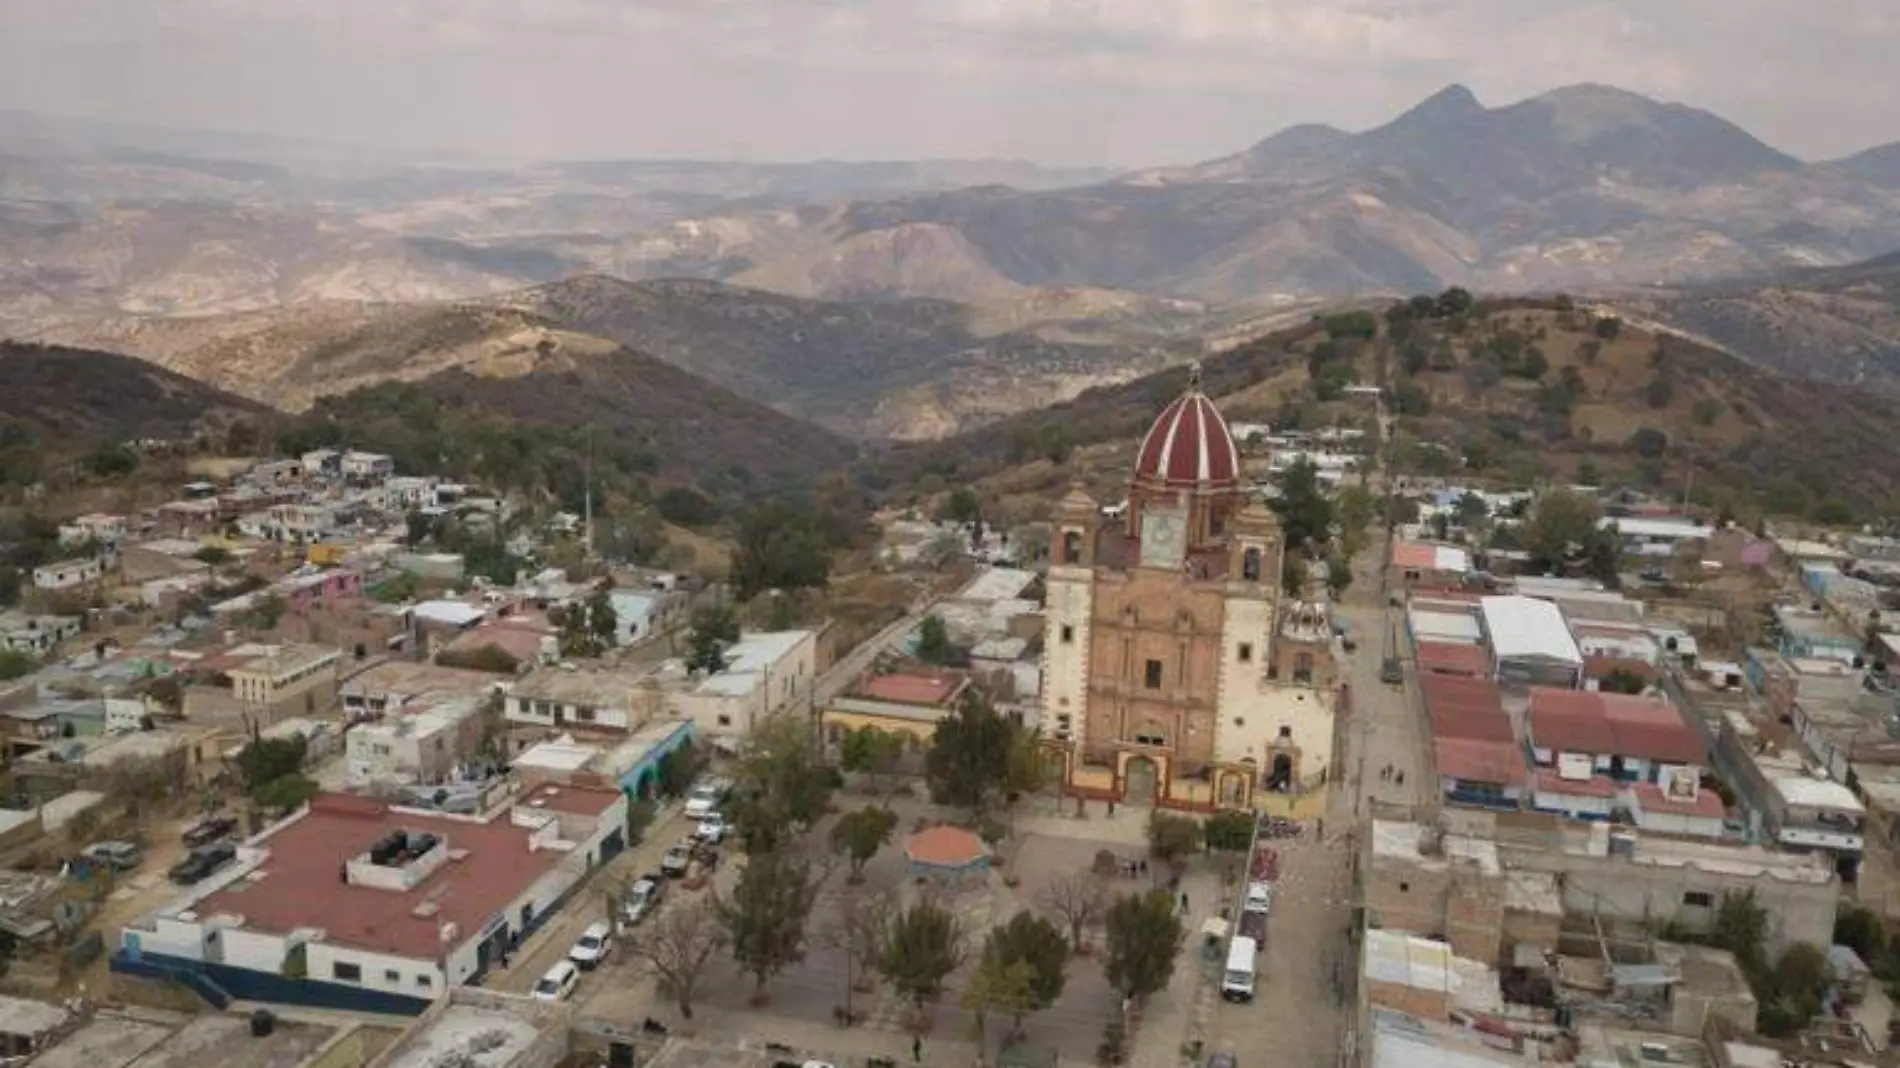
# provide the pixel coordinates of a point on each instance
(1174, 671)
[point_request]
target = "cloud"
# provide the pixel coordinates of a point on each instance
(1123, 81)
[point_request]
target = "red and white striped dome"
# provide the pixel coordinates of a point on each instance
(1189, 444)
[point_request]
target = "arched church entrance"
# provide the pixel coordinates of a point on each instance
(1139, 781)
(1280, 777)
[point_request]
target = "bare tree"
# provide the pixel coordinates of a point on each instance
(678, 947)
(858, 932)
(1081, 900)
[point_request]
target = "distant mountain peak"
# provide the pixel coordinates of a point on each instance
(1452, 102)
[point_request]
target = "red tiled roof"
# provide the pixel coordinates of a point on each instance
(1414, 554)
(1189, 444)
(1650, 798)
(1454, 658)
(1465, 708)
(909, 689)
(301, 887)
(1611, 724)
(1478, 760)
(575, 800)
(1596, 786)
(944, 845)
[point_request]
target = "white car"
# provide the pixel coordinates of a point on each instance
(643, 897)
(713, 828)
(594, 945)
(559, 983)
(705, 797)
(1259, 898)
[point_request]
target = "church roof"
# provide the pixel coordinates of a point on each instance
(1189, 444)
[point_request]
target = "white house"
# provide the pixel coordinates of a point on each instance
(599, 699)
(423, 748)
(374, 906)
(367, 466)
(70, 574)
(766, 673)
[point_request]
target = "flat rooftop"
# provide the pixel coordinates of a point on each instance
(490, 1031)
(1401, 841)
(401, 678)
(597, 688)
(295, 885)
(931, 690)
(175, 1040)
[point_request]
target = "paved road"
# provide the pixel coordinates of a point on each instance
(853, 664)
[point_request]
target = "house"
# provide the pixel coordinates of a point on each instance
(1656, 537)
(71, 574)
(591, 699)
(308, 590)
(366, 466)
(421, 748)
(1799, 809)
(35, 635)
(1599, 753)
(355, 904)
(1471, 661)
(269, 683)
(1474, 752)
(297, 524)
(1530, 642)
(102, 527)
(1807, 631)
(766, 673)
(1419, 564)
(908, 705)
(387, 687)
(275, 472)
(189, 756)
(190, 518)
(322, 463)
(640, 615)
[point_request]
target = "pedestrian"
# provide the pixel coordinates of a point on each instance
(1144, 865)
(917, 1048)
(1401, 779)
(1184, 903)
(1319, 829)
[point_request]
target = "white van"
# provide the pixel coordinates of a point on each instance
(1236, 983)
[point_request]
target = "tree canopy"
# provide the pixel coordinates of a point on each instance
(766, 916)
(778, 548)
(1144, 939)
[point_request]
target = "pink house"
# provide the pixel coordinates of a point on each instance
(323, 589)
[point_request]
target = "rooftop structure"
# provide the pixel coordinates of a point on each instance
(1189, 445)
(482, 1029)
(1610, 725)
(1423, 557)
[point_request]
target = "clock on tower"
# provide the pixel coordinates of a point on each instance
(1163, 537)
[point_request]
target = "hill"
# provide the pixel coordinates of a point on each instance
(531, 428)
(80, 397)
(1512, 391)
(1840, 324)
(897, 368)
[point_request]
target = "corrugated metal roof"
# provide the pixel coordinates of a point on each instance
(1524, 627)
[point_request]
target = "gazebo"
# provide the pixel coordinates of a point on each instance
(949, 856)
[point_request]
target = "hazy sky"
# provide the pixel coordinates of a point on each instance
(1126, 82)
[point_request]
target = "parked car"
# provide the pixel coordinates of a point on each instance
(1392, 672)
(713, 829)
(210, 831)
(643, 897)
(1223, 1060)
(677, 859)
(559, 982)
(119, 856)
(1259, 898)
(201, 863)
(705, 797)
(593, 947)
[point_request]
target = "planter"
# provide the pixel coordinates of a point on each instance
(759, 1000)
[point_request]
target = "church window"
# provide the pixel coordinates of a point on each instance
(1239, 722)
(1250, 565)
(1246, 652)
(1071, 547)
(1151, 739)
(1068, 634)
(1303, 668)
(1152, 677)
(1287, 733)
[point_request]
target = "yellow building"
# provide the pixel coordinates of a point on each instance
(906, 705)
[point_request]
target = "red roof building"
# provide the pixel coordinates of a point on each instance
(1189, 445)
(1633, 730)
(1465, 708)
(1453, 658)
(1471, 761)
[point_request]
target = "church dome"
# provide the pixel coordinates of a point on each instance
(1189, 444)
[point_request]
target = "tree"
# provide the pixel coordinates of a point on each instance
(998, 986)
(1229, 832)
(15, 664)
(490, 658)
(1306, 513)
(602, 621)
(766, 916)
(860, 834)
(1649, 442)
(1706, 411)
(1036, 946)
(212, 555)
(678, 947)
(781, 785)
(1080, 901)
(714, 628)
(1741, 927)
(679, 767)
(1862, 930)
(778, 548)
(417, 528)
(1608, 327)
(961, 507)
(1338, 575)
(1353, 512)
(1172, 839)
(969, 755)
(1293, 575)
(1660, 392)
(869, 751)
(1560, 522)
(1454, 301)
(1410, 398)
(933, 641)
(1622, 681)
(686, 507)
(264, 614)
(1144, 938)
(284, 793)
(263, 761)
(922, 946)
(858, 932)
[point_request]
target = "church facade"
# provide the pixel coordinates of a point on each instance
(1174, 672)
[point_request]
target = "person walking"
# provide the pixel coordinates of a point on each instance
(917, 1048)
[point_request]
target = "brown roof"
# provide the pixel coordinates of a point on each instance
(1650, 798)
(300, 888)
(909, 689)
(1454, 658)
(1597, 786)
(944, 845)
(1602, 667)
(1465, 708)
(1478, 760)
(575, 800)
(1611, 724)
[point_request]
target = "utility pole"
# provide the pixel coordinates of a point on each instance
(587, 497)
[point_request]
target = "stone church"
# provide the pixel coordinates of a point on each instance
(1174, 671)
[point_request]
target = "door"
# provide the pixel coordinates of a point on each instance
(1139, 781)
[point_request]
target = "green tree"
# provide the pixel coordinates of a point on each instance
(1293, 574)
(686, 507)
(961, 507)
(933, 641)
(1144, 939)
(778, 547)
(1649, 442)
(284, 793)
(263, 761)
(602, 621)
(490, 658)
(1305, 511)
(998, 986)
(1172, 839)
(16, 665)
(1470, 509)
(1559, 524)
(969, 755)
(766, 916)
(1862, 930)
(922, 946)
(1706, 411)
(714, 628)
(266, 612)
(679, 767)
(1030, 941)
(782, 786)
(1741, 927)
(417, 528)
(1353, 512)
(1228, 832)
(212, 555)
(1608, 327)
(858, 835)
(869, 751)
(1622, 681)
(1410, 398)
(1338, 575)
(1660, 392)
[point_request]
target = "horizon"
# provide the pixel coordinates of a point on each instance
(1115, 84)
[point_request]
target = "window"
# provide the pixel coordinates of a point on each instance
(1151, 739)
(391, 975)
(1250, 565)
(585, 715)
(1152, 676)
(1071, 547)
(1698, 899)
(1303, 668)
(1239, 722)
(1068, 634)
(1404, 887)
(345, 972)
(424, 982)
(725, 721)
(1246, 652)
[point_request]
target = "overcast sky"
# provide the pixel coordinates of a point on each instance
(1122, 82)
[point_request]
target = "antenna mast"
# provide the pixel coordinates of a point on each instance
(587, 496)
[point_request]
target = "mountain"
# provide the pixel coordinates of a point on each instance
(896, 368)
(644, 416)
(1519, 390)
(1841, 324)
(1877, 166)
(76, 398)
